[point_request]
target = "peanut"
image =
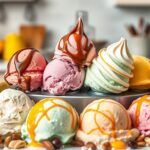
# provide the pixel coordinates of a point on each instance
(17, 144)
(140, 138)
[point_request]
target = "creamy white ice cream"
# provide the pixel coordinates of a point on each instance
(14, 108)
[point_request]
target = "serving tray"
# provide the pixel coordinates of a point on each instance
(80, 99)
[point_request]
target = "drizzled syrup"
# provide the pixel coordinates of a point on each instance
(81, 52)
(21, 66)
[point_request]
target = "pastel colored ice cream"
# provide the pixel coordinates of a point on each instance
(25, 69)
(111, 70)
(76, 46)
(140, 114)
(105, 120)
(14, 108)
(141, 78)
(50, 118)
(62, 75)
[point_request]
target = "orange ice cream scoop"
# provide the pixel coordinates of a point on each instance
(141, 78)
(105, 120)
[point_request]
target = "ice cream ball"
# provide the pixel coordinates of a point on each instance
(50, 118)
(105, 120)
(62, 75)
(25, 69)
(139, 112)
(14, 108)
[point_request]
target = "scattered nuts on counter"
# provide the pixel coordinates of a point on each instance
(91, 146)
(48, 145)
(8, 139)
(17, 144)
(141, 144)
(132, 144)
(77, 143)
(16, 136)
(140, 138)
(57, 143)
(106, 146)
(147, 140)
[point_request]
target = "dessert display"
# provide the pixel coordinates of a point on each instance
(25, 69)
(140, 114)
(141, 79)
(65, 72)
(52, 122)
(105, 121)
(111, 70)
(48, 119)
(14, 108)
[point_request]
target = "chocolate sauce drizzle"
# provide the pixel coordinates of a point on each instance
(78, 32)
(21, 66)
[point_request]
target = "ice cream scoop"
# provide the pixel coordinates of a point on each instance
(25, 69)
(50, 118)
(62, 75)
(111, 70)
(14, 108)
(140, 114)
(141, 78)
(105, 120)
(76, 46)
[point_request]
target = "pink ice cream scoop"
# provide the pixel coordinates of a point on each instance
(77, 46)
(140, 114)
(62, 75)
(25, 69)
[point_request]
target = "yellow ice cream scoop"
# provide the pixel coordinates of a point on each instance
(13, 43)
(141, 78)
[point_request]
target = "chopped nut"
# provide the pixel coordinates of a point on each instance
(91, 145)
(77, 143)
(106, 146)
(16, 136)
(147, 140)
(140, 138)
(132, 144)
(141, 144)
(17, 144)
(1, 139)
(8, 139)
(57, 143)
(48, 145)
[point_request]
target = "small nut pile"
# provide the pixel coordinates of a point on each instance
(141, 141)
(14, 141)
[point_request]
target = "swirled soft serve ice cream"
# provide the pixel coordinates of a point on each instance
(111, 70)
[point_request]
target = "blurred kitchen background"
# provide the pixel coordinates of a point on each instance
(40, 24)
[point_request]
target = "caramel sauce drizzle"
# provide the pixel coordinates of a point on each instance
(112, 68)
(34, 118)
(21, 66)
(110, 119)
(139, 102)
(81, 54)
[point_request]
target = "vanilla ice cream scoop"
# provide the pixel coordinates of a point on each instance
(14, 108)
(105, 120)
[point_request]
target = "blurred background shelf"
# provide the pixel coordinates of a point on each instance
(140, 3)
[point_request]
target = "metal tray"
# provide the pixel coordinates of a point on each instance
(80, 99)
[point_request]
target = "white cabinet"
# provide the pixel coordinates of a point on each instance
(132, 2)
